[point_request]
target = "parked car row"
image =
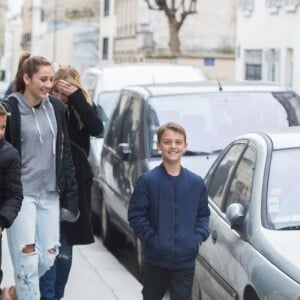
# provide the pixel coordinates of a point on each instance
(212, 115)
(247, 180)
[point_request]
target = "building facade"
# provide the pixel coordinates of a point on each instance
(66, 32)
(268, 42)
(207, 37)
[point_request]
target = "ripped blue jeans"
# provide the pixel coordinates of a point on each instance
(36, 226)
(53, 282)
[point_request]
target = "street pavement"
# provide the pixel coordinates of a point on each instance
(95, 275)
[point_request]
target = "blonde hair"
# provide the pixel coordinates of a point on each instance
(3, 111)
(71, 75)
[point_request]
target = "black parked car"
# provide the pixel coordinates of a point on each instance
(212, 114)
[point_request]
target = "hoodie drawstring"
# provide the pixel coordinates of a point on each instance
(52, 129)
(37, 125)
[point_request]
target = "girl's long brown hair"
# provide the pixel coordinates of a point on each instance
(28, 64)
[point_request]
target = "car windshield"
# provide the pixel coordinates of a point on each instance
(212, 120)
(283, 205)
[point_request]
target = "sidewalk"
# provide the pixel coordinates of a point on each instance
(95, 274)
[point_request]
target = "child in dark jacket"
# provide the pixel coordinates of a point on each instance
(10, 181)
(169, 213)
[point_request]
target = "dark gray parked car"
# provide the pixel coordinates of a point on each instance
(212, 116)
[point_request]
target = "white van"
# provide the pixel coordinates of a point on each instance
(104, 84)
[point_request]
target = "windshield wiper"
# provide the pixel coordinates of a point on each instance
(294, 227)
(189, 153)
(194, 153)
(155, 154)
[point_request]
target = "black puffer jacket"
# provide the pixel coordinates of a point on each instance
(11, 195)
(65, 172)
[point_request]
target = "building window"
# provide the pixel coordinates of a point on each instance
(105, 48)
(291, 5)
(106, 7)
(275, 3)
(209, 61)
(253, 65)
(289, 67)
(292, 2)
(272, 61)
(246, 5)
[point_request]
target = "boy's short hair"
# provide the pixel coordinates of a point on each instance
(3, 111)
(171, 126)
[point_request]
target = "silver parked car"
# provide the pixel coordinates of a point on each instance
(253, 249)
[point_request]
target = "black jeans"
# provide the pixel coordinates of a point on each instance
(157, 280)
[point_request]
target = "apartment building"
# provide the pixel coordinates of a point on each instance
(10, 35)
(268, 42)
(139, 34)
(66, 32)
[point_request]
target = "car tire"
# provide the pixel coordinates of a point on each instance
(106, 226)
(112, 238)
(139, 259)
(96, 209)
(96, 224)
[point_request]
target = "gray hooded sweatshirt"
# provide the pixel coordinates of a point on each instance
(38, 144)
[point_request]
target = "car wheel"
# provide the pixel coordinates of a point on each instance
(96, 224)
(96, 199)
(250, 294)
(106, 226)
(139, 258)
(112, 238)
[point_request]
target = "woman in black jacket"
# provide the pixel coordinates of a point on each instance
(10, 182)
(37, 129)
(83, 122)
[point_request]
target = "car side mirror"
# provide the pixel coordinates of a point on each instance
(124, 151)
(235, 215)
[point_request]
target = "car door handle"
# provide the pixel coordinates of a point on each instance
(214, 236)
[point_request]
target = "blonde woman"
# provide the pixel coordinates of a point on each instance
(83, 122)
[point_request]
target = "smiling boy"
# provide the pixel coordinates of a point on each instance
(169, 213)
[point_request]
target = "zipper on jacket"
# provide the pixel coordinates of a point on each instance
(175, 216)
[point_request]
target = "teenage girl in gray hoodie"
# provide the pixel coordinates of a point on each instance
(37, 129)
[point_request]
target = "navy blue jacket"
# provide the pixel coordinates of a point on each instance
(170, 214)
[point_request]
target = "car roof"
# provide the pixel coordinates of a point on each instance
(281, 139)
(126, 66)
(207, 87)
(116, 76)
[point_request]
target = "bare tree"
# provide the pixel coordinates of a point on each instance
(176, 12)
